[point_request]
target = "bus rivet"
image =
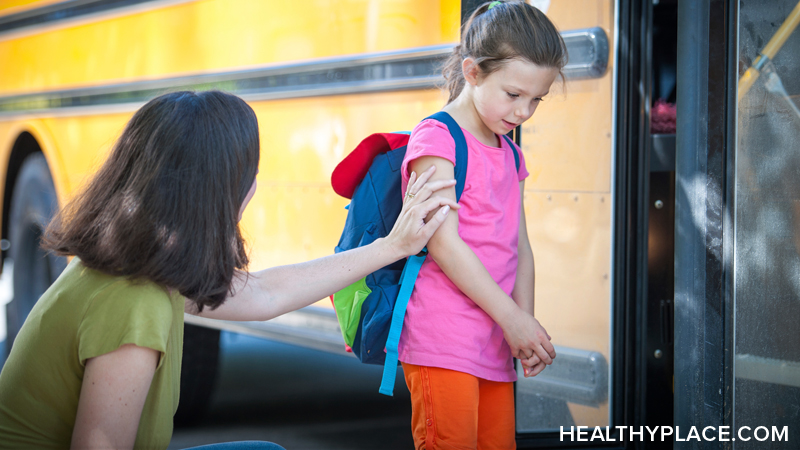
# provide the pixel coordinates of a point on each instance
(659, 204)
(658, 354)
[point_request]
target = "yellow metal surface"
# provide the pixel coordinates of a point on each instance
(11, 130)
(15, 6)
(295, 215)
(214, 35)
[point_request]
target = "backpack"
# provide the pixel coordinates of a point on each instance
(371, 311)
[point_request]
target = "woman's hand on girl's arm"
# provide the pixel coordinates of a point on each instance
(113, 393)
(522, 332)
(269, 293)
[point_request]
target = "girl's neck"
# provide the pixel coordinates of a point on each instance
(463, 111)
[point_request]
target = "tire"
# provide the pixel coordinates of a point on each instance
(32, 206)
(198, 373)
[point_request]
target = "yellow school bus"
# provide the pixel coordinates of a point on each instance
(320, 75)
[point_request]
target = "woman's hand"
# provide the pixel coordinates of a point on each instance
(529, 342)
(411, 233)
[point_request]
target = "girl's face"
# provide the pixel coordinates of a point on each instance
(247, 198)
(508, 96)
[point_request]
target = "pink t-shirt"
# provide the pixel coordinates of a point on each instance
(443, 327)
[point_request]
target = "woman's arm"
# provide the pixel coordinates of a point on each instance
(269, 293)
(457, 260)
(114, 389)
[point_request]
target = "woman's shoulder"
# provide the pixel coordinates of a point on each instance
(102, 290)
(119, 310)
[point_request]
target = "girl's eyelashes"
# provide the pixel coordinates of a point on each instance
(515, 96)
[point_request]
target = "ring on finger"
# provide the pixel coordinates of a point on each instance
(410, 195)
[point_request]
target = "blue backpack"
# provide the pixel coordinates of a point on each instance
(371, 310)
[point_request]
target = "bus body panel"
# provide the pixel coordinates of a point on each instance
(211, 35)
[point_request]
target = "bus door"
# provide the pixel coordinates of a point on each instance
(737, 214)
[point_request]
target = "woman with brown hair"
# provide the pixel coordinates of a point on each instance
(155, 233)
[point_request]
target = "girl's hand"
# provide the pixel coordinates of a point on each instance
(529, 342)
(531, 366)
(410, 233)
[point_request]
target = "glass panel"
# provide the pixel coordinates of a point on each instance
(767, 230)
(568, 150)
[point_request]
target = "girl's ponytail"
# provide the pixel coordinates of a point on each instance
(499, 31)
(453, 75)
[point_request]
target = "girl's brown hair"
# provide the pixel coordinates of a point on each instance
(501, 31)
(165, 204)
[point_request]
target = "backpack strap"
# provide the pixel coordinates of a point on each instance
(414, 263)
(513, 147)
(462, 157)
(407, 280)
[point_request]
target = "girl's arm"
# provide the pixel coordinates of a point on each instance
(523, 293)
(523, 332)
(114, 389)
(269, 293)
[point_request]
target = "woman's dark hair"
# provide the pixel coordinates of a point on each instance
(165, 204)
(494, 35)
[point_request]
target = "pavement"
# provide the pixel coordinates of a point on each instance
(301, 399)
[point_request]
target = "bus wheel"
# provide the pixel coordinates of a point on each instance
(32, 206)
(198, 373)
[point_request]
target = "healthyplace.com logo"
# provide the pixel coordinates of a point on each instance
(666, 433)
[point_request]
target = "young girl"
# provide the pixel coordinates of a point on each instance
(472, 306)
(155, 233)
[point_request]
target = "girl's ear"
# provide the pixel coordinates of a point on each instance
(470, 71)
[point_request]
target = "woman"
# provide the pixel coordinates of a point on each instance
(154, 234)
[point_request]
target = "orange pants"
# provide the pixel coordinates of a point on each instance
(455, 410)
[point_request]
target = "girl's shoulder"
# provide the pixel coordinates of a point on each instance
(430, 128)
(431, 138)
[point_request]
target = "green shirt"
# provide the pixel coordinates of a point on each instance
(84, 314)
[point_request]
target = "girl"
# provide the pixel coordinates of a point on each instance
(155, 233)
(472, 307)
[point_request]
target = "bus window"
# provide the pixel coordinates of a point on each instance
(767, 221)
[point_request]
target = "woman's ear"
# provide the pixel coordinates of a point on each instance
(470, 71)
